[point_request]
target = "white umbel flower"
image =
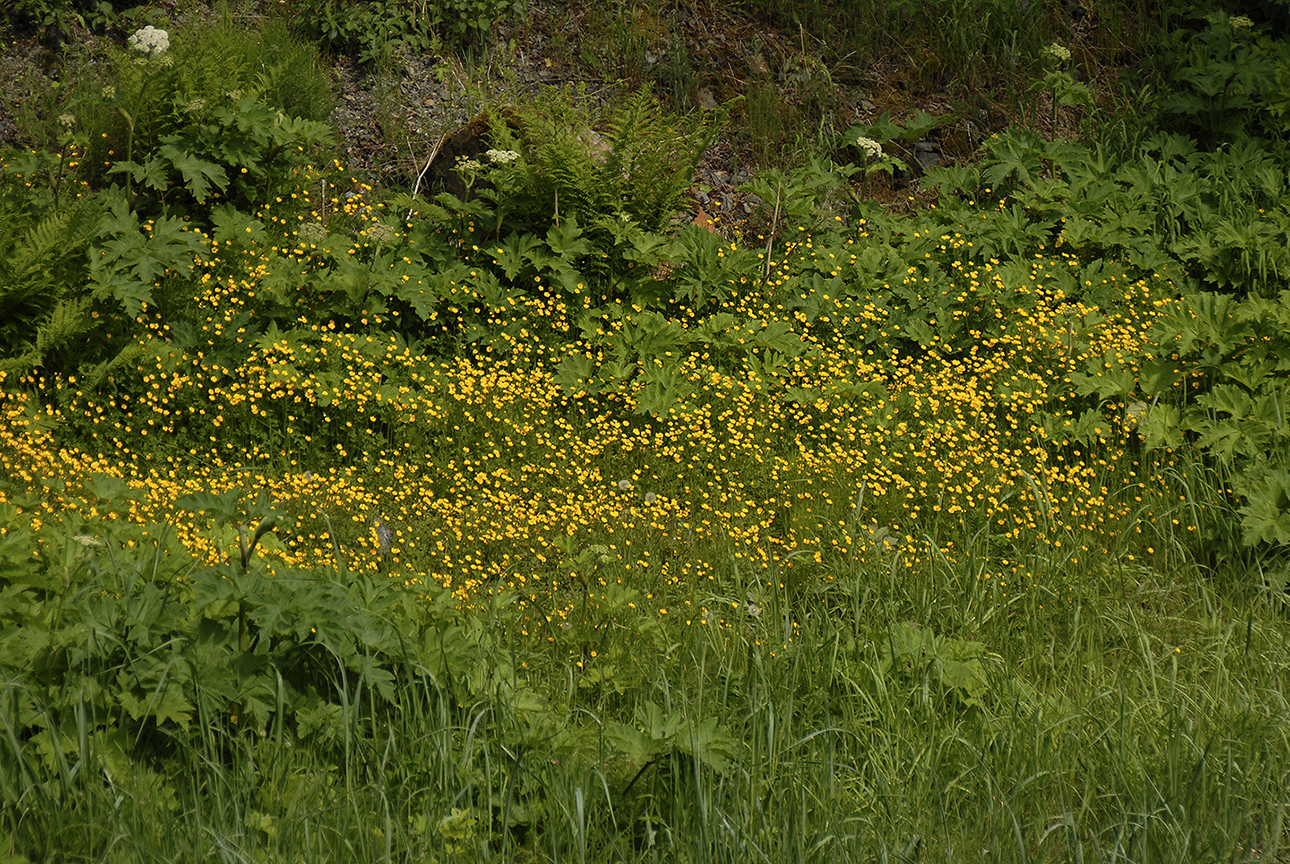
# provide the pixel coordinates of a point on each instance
(150, 42)
(872, 149)
(379, 233)
(312, 232)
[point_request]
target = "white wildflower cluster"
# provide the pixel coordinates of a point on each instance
(312, 232)
(67, 120)
(150, 42)
(1240, 22)
(468, 165)
(872, 149)
(1056, 52)
(502, 157)
(379, 232)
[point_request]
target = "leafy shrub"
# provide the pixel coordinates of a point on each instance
(43, 15)
(1227, 80)
(215, 82)
(371, 29)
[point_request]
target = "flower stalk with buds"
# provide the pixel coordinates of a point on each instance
(152, 45)
(1060, 82)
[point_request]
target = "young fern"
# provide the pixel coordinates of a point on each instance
(58, 333)
(39, 271)
(641, 166)
(123, 361)
(652, 160)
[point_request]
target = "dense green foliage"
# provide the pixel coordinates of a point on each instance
(157, 705)
(518, 519)
(373, 30)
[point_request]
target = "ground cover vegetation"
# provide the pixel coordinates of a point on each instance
(935, 513)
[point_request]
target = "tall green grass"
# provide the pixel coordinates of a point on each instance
(1113, 712)
(960, 44)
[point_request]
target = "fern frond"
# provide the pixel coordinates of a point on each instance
(57, 332)
(433, 212)
(94, 377)
(28, 254)
(68, 320)
(654, 156)
(15, 367)
(646, 172)
(39, 264)
(44, 245)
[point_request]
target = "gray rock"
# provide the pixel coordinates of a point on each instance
(928, 159)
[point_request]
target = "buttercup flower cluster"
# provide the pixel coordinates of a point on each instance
(476, 472)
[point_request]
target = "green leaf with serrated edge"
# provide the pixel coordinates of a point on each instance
(566, 240)
(199, 175)
(232, 225)
(223, 506)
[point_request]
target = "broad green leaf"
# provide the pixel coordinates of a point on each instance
(199, 175)
(232, 225)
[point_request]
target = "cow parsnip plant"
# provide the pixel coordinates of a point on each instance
(1226, 79)
(148, 99)
(1218, 374)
